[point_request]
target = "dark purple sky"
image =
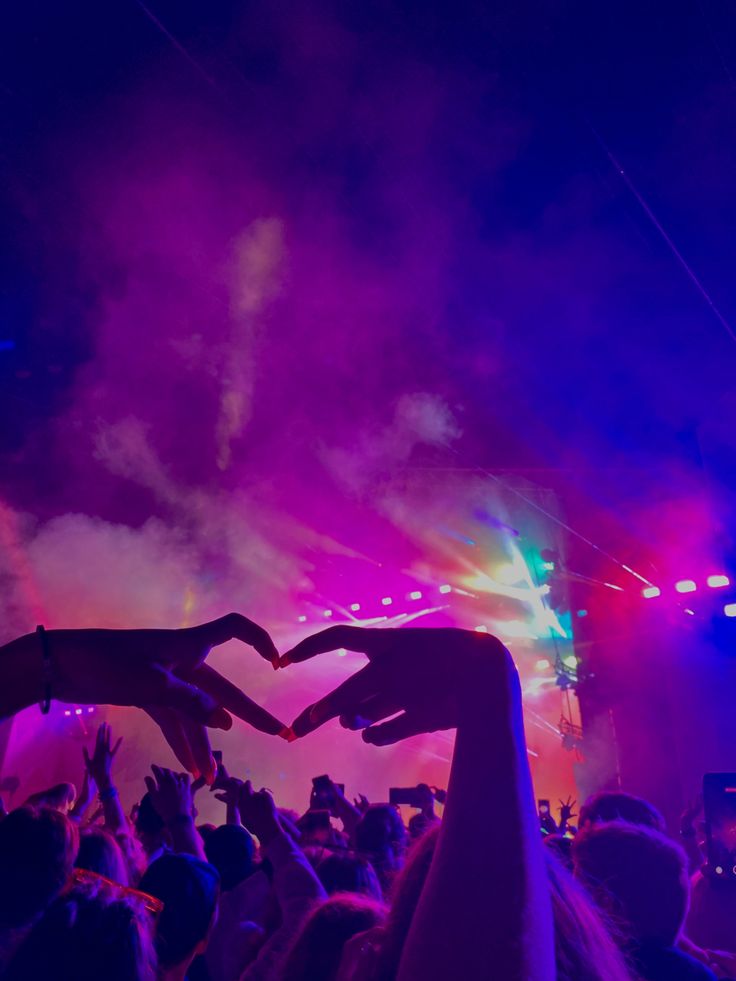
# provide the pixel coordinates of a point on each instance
(445, 220)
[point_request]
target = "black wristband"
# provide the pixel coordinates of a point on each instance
(45, 703)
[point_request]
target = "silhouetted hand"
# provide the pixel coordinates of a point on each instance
(229, 791)
(566, 811)
(258, 813)
(171, 794)
(99, 765)
(161, 671)
(420, 673)
(85, 796)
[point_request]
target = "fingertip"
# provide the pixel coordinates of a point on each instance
(285, 660)
(288, 734)
(275, 662)
(220, 718)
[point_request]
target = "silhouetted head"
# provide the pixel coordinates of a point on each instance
(88, 933)
(639, 876)
(231, 850)
(99, 852)
(345, 872)
(149, 827)
(609, 806)
(318, 949)
(189, 890)
(37, 852)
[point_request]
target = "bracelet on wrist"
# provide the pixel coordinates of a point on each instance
(46, 670)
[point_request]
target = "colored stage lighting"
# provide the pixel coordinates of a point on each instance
(302, 619)
(445, 588)
(730, 609)
(649, 592)
(542, 664)
(415, 594)
(717, 582)
(570, 661)
(482, 629)
(355, 607)
(509, 574)
(685, 586)
(386, 601)
(327, 614)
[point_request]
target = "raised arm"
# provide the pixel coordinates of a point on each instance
(485, 908)
(161, 671)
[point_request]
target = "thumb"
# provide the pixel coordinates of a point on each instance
(164, 688)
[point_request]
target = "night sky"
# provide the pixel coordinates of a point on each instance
(453, 223)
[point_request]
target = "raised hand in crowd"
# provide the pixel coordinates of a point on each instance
(172, 799)
(361, 803)
(258, 813)
(99, 767)
(229, 793)
(84, 799)
(162, 671)
(566, 814)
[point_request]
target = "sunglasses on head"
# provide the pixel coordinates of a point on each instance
(84, 877)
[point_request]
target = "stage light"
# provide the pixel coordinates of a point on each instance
(685, 586)
(355, 607)
(649, 592)
(90, 710)
(77, 711)
(730, 609)
(302, 619)
(542, 664)
(570, 661)
(482, 629)
(689, 612)
(548, 566)
(717, 582)
(415, 594)
(445, 588)
(342, 652)
(386, 601)
(327, 614)
(67, 712)
(582, 613)
(509, 574)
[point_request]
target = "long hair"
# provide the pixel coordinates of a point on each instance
(99, 852)
(585, 949)
(316, 953)
(87, 933)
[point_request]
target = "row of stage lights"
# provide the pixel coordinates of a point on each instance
(415, 594)
(684, 586)
(514, 628)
